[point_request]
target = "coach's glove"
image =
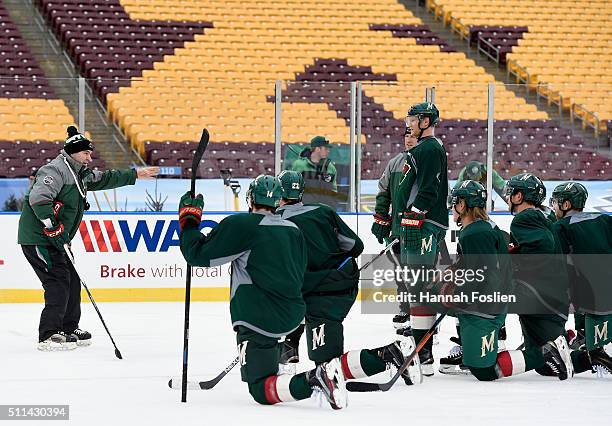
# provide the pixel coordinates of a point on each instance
(410, 229)
(381, 228)
(190, 211)
(57, 236)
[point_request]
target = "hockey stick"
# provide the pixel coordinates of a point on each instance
(208, 384)
(197, 157)
(93, 302)
(385, 250)
(371, 387)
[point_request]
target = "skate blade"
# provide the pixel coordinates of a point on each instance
(56, 347)
(453, 370)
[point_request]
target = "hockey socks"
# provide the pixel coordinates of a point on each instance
(284, 388)
(362, 363)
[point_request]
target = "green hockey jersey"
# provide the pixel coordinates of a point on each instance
(416, 179)
(268, 256)
(587, 239)
(482, 250)
(329, 243)
(538, 264)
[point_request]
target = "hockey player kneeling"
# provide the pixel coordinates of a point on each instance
(330, 287)
(540, 274)
(268, 256)
(482, 247)
(587, 239)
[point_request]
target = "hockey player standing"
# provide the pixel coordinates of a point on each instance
(587, 239)
(330, 287)
(539, 273)
(384, 228)
(268, 256)
(422, 213)
(52, 212)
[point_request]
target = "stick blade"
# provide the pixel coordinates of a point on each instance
(362, 387)
(176, 382)
(118, 354)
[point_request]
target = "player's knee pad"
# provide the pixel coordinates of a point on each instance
(486, 374)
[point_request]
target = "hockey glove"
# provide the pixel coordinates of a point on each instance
(381, 228)
(57, 236)
(190, 211)
(410, 230)
(514, 248)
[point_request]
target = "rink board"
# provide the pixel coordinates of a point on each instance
(136, 257)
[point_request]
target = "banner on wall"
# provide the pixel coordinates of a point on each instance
(136, 256)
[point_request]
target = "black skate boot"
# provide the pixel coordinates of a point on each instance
(290, 347)
(396, 352)
(601, 362)
(59, 341)
(83, 338)
(557, 358)
(501, 339)
(401, 321)
(453, 363)
(329, 379)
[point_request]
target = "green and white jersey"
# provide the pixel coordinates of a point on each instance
(416, 179)
(329, 240)
(268, 256)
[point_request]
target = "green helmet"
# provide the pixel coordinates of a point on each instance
(530, 185)
(425, 109)
(292, 184)
(573, 192)
(474, 170)
(474, 194)
(265, 190)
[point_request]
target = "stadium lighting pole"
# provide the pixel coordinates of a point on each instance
(351, 206)
(277, 127)
(490, 111)
(81, 104)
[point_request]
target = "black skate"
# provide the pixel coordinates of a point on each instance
(59, 341)
(501, 339)
(557, 358)
(83, 338)
(453, 363)
(401, 321)
(329, 379)
(601, 362)
(396, 353)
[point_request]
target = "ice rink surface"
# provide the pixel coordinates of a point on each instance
(102, 390)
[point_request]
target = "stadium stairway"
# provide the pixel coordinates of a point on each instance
(418, 8)
(59, 70)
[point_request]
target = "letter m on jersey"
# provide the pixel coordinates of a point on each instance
(318, 336)
(601, 334)
(426, 244)
(487, 344)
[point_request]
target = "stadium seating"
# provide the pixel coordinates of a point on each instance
(219, 72)
(566, 62)
(31, 116)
